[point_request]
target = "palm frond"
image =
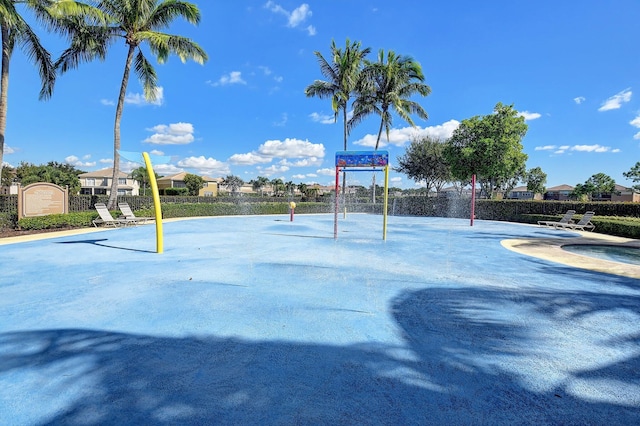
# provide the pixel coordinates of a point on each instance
(36, 53)
(162, 45)
(169, 10)
(147, 75)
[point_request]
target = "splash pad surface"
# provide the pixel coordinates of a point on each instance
(259, 320)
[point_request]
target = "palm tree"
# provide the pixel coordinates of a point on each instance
(342, 73)
(14, 30)
(276, 184)
(389, 83)
(259, 183)
(136, 22)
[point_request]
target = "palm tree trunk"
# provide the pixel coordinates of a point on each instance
(4, 87)
(344, 174)
(113, 197)
(373, 180)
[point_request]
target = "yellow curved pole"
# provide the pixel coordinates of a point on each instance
(156, 202)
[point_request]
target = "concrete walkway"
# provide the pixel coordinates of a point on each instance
(258, 320)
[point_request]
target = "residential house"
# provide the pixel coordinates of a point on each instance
(621, 194)
(522, 193)
(209, 189)
(99, 183)
(558, 193)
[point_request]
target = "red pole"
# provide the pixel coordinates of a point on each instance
(335, 213)
(473, 198)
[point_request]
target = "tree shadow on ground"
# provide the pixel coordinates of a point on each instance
(471, 357)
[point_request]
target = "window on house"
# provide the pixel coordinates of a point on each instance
(90, 182)
(122, 181)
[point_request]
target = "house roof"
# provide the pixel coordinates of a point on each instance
(179, 177)
(102, 174)
(563, 187)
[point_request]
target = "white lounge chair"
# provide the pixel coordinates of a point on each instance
(583, 225)
(107, 220)
(565, 219)
(127, 213)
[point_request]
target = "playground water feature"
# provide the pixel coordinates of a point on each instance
(263, 320)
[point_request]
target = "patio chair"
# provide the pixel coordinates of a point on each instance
(565, 219)
(107, 220)
(127, 213)
(583, 225)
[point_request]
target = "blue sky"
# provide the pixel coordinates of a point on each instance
(571, 67)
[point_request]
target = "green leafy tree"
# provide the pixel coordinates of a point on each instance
(194, 183)
(137, 22)
(536, 180)
(386, 85)
(64, 175)
(634, 175)
(303, 188)
(424, 162)
(7, 175)
(234, 183)
(489, 147)
(597, 185)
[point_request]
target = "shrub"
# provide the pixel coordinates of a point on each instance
(56, 221)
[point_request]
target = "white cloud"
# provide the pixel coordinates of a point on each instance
(294, 18)
(76, 162)
(299, 176)
(7, 149)
(396, 179)
(248, 159)
(129, 166)
(400, 137)
(322, 118)
(264, 69)
(106, 161)
(291, 148)
(283, 120)
(272, 170)
(579, 99)
(309, 154)
(616, 101)
(529, 115)
(305, 162)
(205, 165)
(299, 15)
(234, 77)
(156, 152)
(173, 134)
(167, 169)
(577, 148)
(636, 136)
(107, 102)
(590, 148)
(635, 122)
(326, 172)
(139, 99)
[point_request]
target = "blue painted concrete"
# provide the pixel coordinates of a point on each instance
(258, 320)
